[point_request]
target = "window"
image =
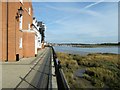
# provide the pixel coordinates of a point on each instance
(20, 22)
(29, 26)
(29, 10)
(20, 43)
(21, 1)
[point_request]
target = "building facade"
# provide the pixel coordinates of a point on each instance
(39, 28)
(36, 29)
(18, 38)
(42, 32)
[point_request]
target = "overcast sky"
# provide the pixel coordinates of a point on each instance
(78, 22)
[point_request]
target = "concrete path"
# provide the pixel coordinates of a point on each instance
(34, 72)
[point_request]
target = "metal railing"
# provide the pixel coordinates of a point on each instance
(61, 81)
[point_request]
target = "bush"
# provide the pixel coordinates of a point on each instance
(104, 75)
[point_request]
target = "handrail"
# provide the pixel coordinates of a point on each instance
(61, 80)
(64, 79)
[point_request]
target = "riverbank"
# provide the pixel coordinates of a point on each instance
(94, 46)
(82, 45)
(99, 70)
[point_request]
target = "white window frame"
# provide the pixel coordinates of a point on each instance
(21, 1)
(29, 11)
(29, 26)
(20, 43)
(20, 22)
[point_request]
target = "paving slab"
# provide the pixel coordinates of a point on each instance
(27, 72)
(12, 71)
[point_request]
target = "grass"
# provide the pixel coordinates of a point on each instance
(102, 69)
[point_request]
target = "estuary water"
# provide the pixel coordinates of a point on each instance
(85, 51)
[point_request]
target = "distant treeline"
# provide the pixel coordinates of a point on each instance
(78, 44)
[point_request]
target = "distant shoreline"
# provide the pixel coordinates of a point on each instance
(95, 46)
(87, 45)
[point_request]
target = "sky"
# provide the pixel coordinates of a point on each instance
(78, 22)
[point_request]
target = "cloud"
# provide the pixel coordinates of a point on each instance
(71, 9)
(93, 4)
(75, 24)
(74, 11)
(87, 29)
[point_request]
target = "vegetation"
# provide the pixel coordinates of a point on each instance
(86, 45)
(102, 70)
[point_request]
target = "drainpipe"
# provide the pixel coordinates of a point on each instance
(7, 32)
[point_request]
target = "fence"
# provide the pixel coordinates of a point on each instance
(61, 81)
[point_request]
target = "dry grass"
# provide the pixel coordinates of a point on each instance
(102, 69)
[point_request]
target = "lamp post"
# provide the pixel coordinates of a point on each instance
(20, 11)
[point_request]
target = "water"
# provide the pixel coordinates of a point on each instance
(85, 51)
(80, 72)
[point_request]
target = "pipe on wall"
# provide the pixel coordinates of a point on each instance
(7, 31)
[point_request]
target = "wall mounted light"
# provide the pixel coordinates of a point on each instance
(20, 11)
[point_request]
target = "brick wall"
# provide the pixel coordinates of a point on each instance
(14, 34)
(29, 44)
(20, 49)
(0, 31)
(12, 31)
(3, 31)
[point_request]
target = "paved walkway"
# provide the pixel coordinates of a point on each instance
(30, 72)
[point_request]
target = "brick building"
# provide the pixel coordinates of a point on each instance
(17, 37)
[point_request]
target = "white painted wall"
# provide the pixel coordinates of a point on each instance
(38, 38)
(36, 44)
(20, 22)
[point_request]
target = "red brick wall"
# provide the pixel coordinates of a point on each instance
(12, 31)
(29, 44)
(3, 31)
(0, 31)
(26, 17)
(14, 34)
